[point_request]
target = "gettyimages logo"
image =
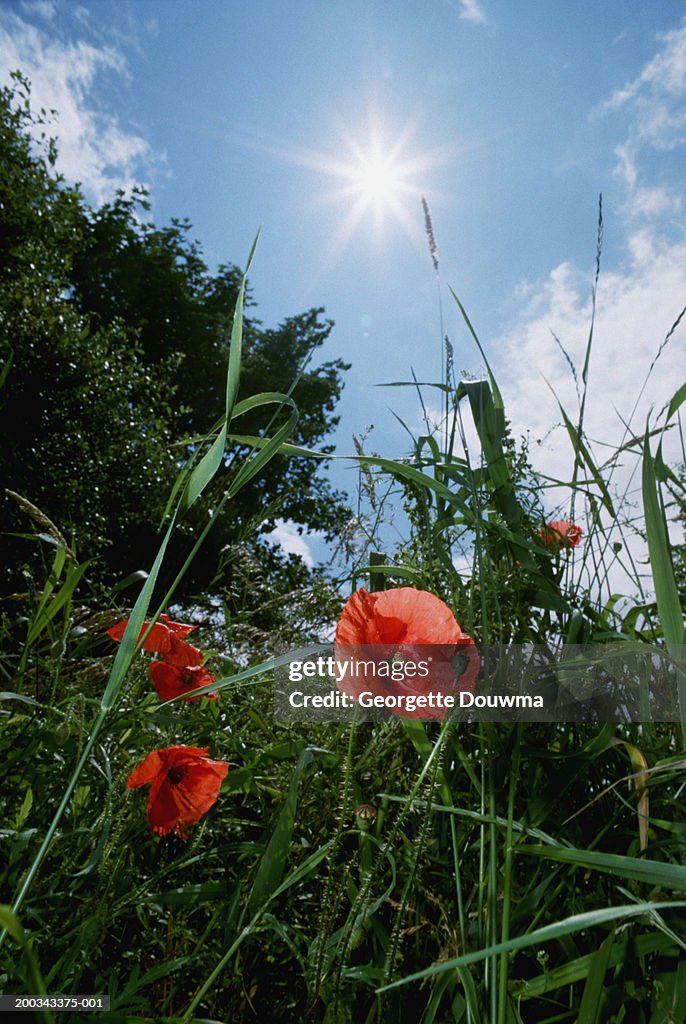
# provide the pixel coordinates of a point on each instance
(402, 653)
(621, 682)
(414, 680)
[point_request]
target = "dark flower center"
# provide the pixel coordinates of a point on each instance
(175, 775)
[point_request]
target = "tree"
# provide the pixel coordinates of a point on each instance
(114, 338)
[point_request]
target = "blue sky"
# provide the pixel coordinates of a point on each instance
(510, 117)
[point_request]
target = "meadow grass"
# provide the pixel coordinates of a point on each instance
(504, 872)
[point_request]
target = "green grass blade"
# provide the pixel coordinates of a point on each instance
(582, 454)
(497, 397)
(568, 926)
(7, 366)
(252, 441)
(265, 454)
(129, 642)
(59, 600)
(48, 589)
(212, 460)
(295, 876)
(10, 922)
(262, 398)
(666, 593)
(577, 970)
(591, 1001)
(273, 860)
(678, 399)
(671, 877)
(256, 670)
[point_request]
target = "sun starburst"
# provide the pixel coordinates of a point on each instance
(376, 179)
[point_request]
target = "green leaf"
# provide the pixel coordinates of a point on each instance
(24, 811)
(7, 695)
(189, 895)
(134, 577)
(678, 399)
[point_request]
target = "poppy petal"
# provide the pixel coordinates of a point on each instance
(176, 681)
(405, 615)
(163, 637)
(185, 784)
(560, 533)
(180, 653)
(147, 770)
(179, 629)
(414, 626)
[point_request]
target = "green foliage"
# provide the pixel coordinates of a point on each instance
(88, 421)
(114, 337)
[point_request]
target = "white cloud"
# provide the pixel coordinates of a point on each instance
(94, 148)
(664, 74)
(42, 8)
(638, 301)
(471, 11)
(286, 535)
(635, 310)
(654, 103)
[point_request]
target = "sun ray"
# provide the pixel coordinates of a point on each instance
(375, 179)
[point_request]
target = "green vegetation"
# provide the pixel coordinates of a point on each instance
(114, 340)
(409, 871)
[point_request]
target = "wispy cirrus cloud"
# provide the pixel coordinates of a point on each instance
(66, 75)
(41, 8)
(662, 77)
(654, 104)
(469, 10)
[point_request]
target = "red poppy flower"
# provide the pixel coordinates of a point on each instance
(185, 784)
(175, 680)
(561, 533)
(403, 629)
(166, 638)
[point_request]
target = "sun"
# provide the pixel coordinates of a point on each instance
(374, 174)
(378, 180)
